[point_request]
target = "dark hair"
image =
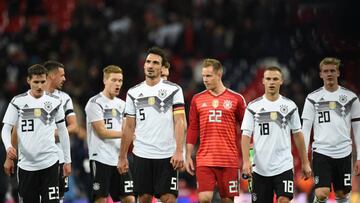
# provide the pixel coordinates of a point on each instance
(52, 65)
(36, 69)
(160, 52)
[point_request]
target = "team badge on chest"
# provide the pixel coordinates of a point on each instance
(37, 112)
(273, 116)
(151, 100)
(215, 103)
(332, 105)
(227, 104)
(114, 112)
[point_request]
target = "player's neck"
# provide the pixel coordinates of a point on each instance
(218, 90)
(272, 97)
(331, 87)
(152, 81)
(49, 88)
(108, 95)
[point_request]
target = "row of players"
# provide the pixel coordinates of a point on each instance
(155, 123)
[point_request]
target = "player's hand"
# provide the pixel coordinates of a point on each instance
(189, 165)
(123, 165)
(306, 170)
(357, 168)
(246, 170)
(9, 166)
(67, 169)
(11, 153)
(177, 160)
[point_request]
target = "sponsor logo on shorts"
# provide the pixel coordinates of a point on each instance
(316, 180)
(254, 197)
(96, 186)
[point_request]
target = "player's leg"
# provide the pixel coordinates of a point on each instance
(50, 184)
(63, 182)
(284, 186)
(342, 179)
(165, 180)
(206, 179)
(228, 183)
(143, 179)
(101, 178)
(121, 187)
(29, 186)
(263, 190)
(322, 177)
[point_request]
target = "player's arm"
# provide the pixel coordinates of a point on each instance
(102, 132)
(65, 145)
(247, 128)
(300, 145)
(11, 152)
(179, 125)
(355, 124)
(308, 116)
(72, 125)
(192, 137)
(127, 138)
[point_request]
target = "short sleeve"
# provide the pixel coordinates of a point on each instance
(11, 114)
(248, 122)
(308, 111)
(130, 106)
(94, 112)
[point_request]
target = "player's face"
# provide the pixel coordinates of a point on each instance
(37, 84)
(152, 66)
(272, 81)
(113, 84)
(329, 73)
(164, 73)
(58, 78)
(211, 78)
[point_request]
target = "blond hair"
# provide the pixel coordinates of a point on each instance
(214, 63)
(111, 69)
(330, 61)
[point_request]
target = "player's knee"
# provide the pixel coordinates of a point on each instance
(145, 198)
(100, 199)
(205, 197)
(322, 193)
(168, 198)
(283, 199)
(128, 199)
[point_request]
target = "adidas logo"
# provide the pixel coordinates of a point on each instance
(203, 105)
(262, 110)
(26, 106)
(322, 99)
(140, 95)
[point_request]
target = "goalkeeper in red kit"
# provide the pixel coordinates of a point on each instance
(215, 115)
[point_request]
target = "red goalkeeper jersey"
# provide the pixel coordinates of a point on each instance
(216, 120)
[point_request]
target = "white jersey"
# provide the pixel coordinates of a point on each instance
(331, 114)
(111, 111)
(153, 108)
(35, 121)
(271, 123)
(67, 104)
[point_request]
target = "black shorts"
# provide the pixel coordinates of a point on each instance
(107, 180)
(44, 183)
(155, 177)
(328, 170)
(264, 187)
(63, 182)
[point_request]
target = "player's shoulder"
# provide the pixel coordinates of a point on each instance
(19, 97)
(167, 82)
(52, 95)
(315, 92)
(95, 99)
(256, 101)
(288, 101)
(62, 94)
(347, 92)
(136, 87)
(237, 95)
